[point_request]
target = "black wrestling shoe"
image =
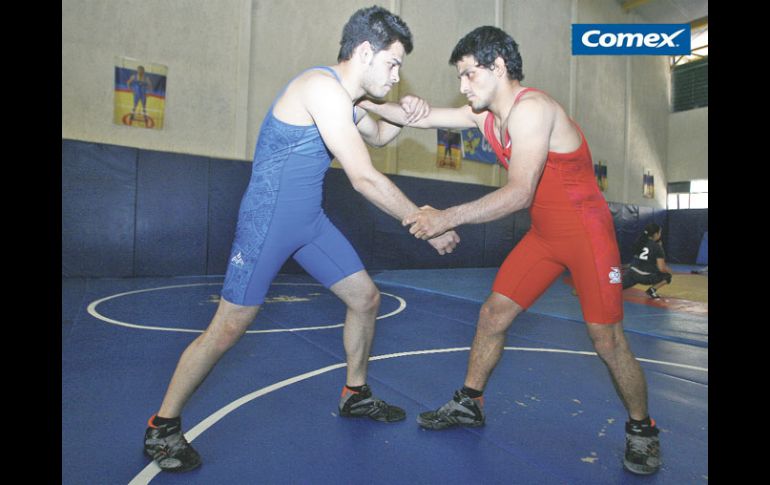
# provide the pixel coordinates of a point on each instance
(642, 449)
(652, 293)
(169, 448)
(462, 410)
(360, 404)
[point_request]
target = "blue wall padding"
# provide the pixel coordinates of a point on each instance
(351, 213)
(703, 250)
(129, 212)
(626, 219)
(630, 220)
(685, 229)
(522, 221)
(171, 214)
(396, 248)
(381, 241)
(499, 237)
(227, 183)
(98, 199)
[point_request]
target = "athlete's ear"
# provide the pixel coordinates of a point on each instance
(500, 69)
(364, 51)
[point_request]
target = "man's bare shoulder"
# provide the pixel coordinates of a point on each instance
(538, 101)
(310, 91)
(564, 136)
(533, 109)
(316, 81)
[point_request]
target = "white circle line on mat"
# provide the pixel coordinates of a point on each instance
(94, 313)
(151, 470)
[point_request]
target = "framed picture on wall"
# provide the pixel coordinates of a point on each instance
(449, 153)
(648, 184)
(600, 170)
(140, 93)
(476, 147)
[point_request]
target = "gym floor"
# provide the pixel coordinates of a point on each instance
(267, 413)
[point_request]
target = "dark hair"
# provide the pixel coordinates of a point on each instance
(376, 25)
(487, 44)
(649, 230)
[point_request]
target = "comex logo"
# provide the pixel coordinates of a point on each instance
(630, 39)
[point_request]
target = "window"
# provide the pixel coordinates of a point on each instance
(690, 74)
(688, 195)
(690, 85)
(699, 201)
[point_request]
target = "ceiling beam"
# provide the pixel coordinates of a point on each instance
(699, 23)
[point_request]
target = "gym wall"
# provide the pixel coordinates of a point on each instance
(688, 145)
(134, 199)
(228, 59)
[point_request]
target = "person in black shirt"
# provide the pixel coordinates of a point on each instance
(649, 264)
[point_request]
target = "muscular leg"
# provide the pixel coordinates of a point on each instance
(626, 373)
(362, 298)
(226, 328)
(496, 316)
(466, 409)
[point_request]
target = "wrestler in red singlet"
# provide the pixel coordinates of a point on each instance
(571, 227)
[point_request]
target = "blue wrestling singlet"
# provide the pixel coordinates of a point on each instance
(281, 216)
(139, 88)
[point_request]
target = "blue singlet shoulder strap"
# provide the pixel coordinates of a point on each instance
(325, 68)
(337, 77)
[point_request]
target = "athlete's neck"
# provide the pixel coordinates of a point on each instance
(503, 103)
(350, 79)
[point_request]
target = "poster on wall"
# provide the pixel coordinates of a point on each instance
(648, 184)
(140, 93)
(475, 147)
(600, 170)
(449, 149)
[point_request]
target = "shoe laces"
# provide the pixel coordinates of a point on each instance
(460, 402)
(175, 443)
(376, 406)
(643, 445)
(379, 404)
(447, 408)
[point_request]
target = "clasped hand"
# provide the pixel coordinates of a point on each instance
(428, 223)
(415, 108)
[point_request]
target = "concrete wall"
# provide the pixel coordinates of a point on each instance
(228, 59)
(688, 145)
(206, 46)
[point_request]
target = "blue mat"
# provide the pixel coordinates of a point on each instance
(267, 412)
(558, 301)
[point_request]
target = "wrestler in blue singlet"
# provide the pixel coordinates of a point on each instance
(139, 88)
(281, 215)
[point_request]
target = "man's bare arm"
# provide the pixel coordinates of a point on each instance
(462, 117)
(330, 107)
(381, 132)
(529, 126)
(376, 133)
